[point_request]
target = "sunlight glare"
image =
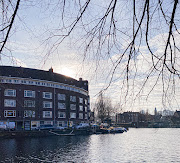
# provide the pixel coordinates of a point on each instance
(67, 71)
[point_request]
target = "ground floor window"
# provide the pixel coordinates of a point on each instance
(35, 124)
(61, 124)
(48, 122)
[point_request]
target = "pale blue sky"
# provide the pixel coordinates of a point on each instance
(30, 47)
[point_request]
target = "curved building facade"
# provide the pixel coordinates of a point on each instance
(30, 97)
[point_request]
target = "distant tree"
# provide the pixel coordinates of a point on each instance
(104, 108)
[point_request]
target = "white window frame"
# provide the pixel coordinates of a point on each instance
(29, 93)
(73, 115)
(86, 101)
(61, 97)
(46, 103)
(81, 116)
(29, 103)
(61, 105)
(48, 122)
(29, 113)
(80, 100)
(61, 113)
(85, 108)
(80, 107)
(9, 103)
(47, 95)
(10, 92)
(61, 123)
(6, 112)
(47, 114)
(73, 106)
(85, 116)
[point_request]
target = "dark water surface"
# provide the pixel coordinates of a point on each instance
(137, 145)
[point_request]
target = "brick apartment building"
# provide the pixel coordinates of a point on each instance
(30, 97)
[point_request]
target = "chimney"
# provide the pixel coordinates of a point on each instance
(51, 70)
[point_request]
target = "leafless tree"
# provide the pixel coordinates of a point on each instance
(123, 27)
(120, 27)
(103, 108)
(8, 12)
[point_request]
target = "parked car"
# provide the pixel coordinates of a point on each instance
(46, 127)
(3, 127)
(82, 125)
(11, 125)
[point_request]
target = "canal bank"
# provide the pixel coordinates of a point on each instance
(42, 133)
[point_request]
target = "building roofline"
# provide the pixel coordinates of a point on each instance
(22, 72)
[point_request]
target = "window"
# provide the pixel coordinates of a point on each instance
(85, 108)
(81, 100)
(85, 116)
(80, 108)
(9, 113)
(47, 104)
(72, 115)
(73, 106)
(10, 92)
(29, 113)
(61, 123)
(61, 115)
(29, 103)
(47, 114)
(80, 115)
(48, 122)
(86, 101)
(47, 95)
(9, 103)
(73, 98)
(61, 105)
(29, 93)
(61, 97)
(88, 107)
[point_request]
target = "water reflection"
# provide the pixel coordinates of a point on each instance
(137, 145)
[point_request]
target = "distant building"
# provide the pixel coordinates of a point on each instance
(177, 114)
(30, 97)
(142, 112)
(176, 119)
(166, 112)
(155, 112)
(128, 117)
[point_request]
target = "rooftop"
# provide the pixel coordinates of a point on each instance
(22, 72)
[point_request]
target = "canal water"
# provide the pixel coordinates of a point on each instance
(136, 145)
